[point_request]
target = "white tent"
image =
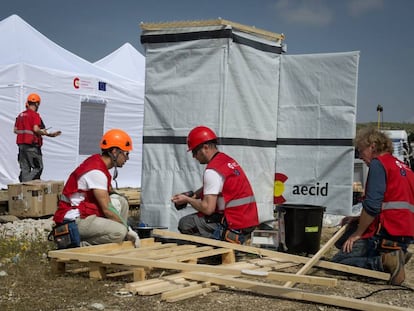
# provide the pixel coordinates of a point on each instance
(125, 61)
(78, 98)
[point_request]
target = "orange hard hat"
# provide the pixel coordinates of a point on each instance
(33, 98)
(116, 138)
(198, 136)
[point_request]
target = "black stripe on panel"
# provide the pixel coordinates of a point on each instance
(257, 45)
(255, 142)
(247, 142)
(187, 36)
(175, 140)
(213, 34)
(314, 142)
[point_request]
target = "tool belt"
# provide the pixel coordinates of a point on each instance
(388, 243)
(224, 233)
(65, 235)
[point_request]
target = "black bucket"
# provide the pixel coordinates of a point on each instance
(303, 227)
(145, 232)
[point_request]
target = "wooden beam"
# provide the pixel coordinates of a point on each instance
(283, 277)
(214, 22)
(188, 292)
(292, 293)
(273, 254)
(315, 258)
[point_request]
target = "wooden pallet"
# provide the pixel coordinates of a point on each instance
(174, 270)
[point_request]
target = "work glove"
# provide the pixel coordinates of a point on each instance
(133, 237)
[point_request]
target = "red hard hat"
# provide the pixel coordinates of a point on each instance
(199, 135)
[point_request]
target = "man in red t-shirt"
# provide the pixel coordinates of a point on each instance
(29, 128)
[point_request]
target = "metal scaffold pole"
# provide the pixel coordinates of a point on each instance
(379, 110)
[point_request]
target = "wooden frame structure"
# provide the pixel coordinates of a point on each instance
(272, 36)
(186, 277)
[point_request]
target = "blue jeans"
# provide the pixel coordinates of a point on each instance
(364, 255)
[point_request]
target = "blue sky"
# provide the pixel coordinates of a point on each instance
(382, 30)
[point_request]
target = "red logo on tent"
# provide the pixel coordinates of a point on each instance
(76, 83)
(279, 188)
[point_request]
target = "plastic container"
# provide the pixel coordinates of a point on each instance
(303, 227)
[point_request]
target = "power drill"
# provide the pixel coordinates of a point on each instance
(187, 193)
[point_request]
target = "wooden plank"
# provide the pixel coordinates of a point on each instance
(163, 286)
(216, 22)
(57, 266)
(188, 292)
(174, 251)
(97, 271)
(132, 194)
(144, 283)
(283, 277)
(276, 255)
(139, 274)
(144, 252)
(142, 262)
(318, 255)
(292, 293)
(199, 253)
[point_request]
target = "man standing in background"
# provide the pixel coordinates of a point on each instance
(30, 128)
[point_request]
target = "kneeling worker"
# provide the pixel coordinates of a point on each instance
(381, 234)
(226, 206)
(100, 217)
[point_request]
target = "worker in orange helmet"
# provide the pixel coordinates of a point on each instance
(226, 206)
(88, 206)
(30, 128)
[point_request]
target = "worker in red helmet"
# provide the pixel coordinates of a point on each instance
(88, 205)
(225, 204)
(30, 128)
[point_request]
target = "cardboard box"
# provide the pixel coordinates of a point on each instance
(34, 198)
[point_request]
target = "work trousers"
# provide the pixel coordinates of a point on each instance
(366, 253)
(363, 255)
(30, 161)
(195, 225)
(95, 230)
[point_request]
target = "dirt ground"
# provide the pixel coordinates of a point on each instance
(26, 283)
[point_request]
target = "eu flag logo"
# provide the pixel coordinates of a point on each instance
(102, 86)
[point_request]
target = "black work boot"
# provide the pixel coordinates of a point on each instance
(394, 264)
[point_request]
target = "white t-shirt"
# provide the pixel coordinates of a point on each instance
(213, 184)
(94, 179)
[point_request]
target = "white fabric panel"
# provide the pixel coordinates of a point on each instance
(318, 95)
(251, 97)
(230, 88)
(184, 87)
(317, 175)
(8, 148)
(177, 98)
(250, 111)
(318, 100)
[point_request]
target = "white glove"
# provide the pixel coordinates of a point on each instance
(133, 237)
